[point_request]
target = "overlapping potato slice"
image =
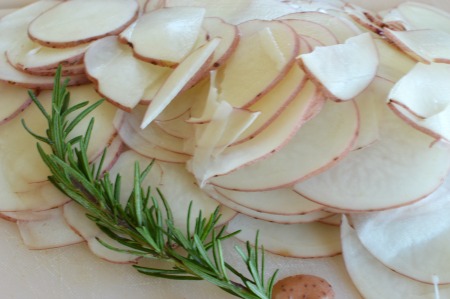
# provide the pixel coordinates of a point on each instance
(404, 238)
(75, 22)
(344, 70)
(310, 150)
(304, 240)
(384, 282)
(397, 170)
(109, 64)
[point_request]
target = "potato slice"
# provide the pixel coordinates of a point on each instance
(344, 70)
(75, 216)
(71, 23)
(304, 240)
(282, 201)
(236, 12)
(399, 169)
(13, 101)
(110, 63)
(255, 213)
(193, 67)
(310, 151)
(424, 90)
(313, 30)
(175, 29)
(262, 58)
(29, 56)
(13, 29)
(394, 63)
(49, 231)
(404, 238)
(423, 16)
(341, 28)
(425, 45)
(383, 282)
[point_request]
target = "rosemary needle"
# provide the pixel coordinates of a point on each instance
(145, 227)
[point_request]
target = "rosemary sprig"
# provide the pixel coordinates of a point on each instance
(143, 225)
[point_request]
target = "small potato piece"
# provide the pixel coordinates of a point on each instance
(302, 287)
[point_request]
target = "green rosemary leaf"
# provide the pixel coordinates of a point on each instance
(137, 194)
(151, 241)
(38, 137)
(218, 258)
(125, 251)
(67, 111)
(270, 284)
(257, 291)
(204, 256)
(176, 275)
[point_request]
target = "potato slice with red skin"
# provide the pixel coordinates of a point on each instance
(153, 133)
(309, 150)
(436, 126)
(365, 18)
(229, 35)
(399, 169)
(369, 104)
(344, 70)
(341, 28)
(213, 137)
(132, 137)
(66, 71)
(177, 127)
(425, 45)
(36, 196)
(423, 16)
(275, 218)
(11, 75)
(26, 55)
(264, 144)
(193, 67)
(404, 238)
(13, 28)
(175, 29)
(71, 23)
(385, 283)
(272, 104)
(190, 100)
(424, 90)
(313, 30)
(75, 216)
(313, 239)
(48, 231)
(335, 219)
(13, 101)
(236, 12)
(264, 55)
(110, 63)
(283, 201)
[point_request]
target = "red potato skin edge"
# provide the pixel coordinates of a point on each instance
(83, 41)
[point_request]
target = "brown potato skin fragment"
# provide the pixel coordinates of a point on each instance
(302, 287)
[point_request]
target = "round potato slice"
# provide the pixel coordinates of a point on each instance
(72, 23)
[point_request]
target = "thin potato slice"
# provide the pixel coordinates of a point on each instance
(397, 170)
(71, 23)
(305, 240)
